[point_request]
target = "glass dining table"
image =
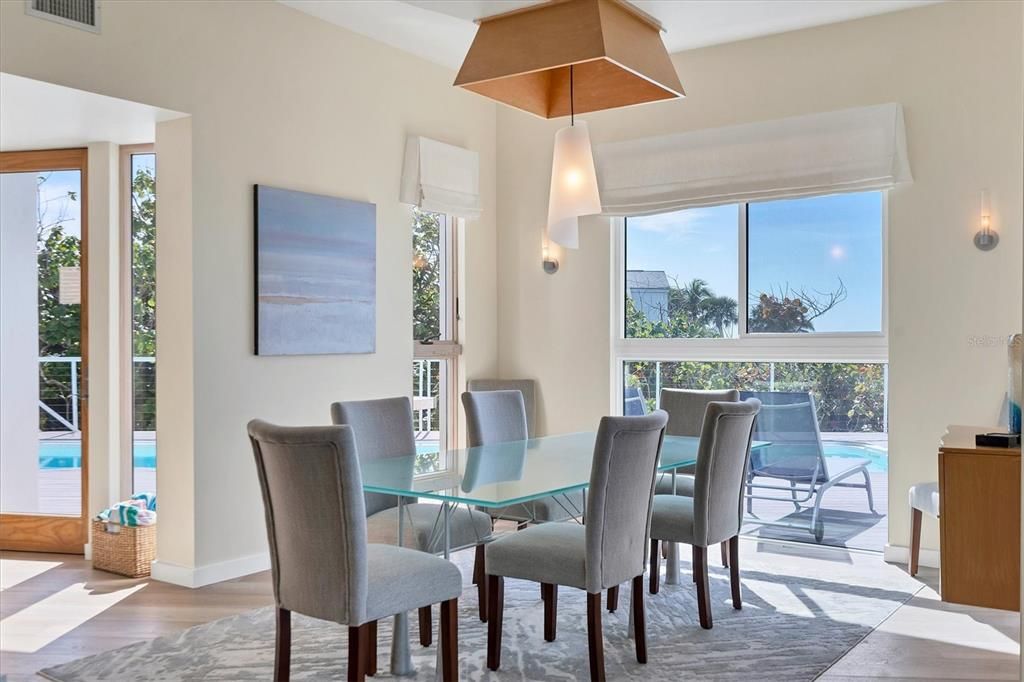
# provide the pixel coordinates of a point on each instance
(502, 475)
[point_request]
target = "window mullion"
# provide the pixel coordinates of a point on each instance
(743, 297)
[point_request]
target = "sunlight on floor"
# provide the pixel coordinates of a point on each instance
(36, 626)
(14, 571)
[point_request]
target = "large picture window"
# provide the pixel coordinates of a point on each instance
(795, 266)
(782, 300)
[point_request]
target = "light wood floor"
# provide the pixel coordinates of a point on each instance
(56, 608)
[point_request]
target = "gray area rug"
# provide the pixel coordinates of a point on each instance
(802, 610)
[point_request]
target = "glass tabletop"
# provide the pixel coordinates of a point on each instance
(503, 474)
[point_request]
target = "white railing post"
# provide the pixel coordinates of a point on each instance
(657, 384)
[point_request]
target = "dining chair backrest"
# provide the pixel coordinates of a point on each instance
(686, 408)
(316, 519)
(722, 459)
(618, 511)
(528, 387)
(494, 417)
(382, 428)
(789, 421)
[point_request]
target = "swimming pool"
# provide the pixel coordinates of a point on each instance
(877, 456)
(67, 454)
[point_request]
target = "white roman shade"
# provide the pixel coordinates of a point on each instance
(441, 178)
(841, 151)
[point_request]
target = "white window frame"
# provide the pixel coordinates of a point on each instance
(447, 349)
(838, 347)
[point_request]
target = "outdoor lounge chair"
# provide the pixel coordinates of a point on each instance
(633, 402)
(789, 421)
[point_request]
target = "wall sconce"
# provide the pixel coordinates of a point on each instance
(985, 239)
(550, 264)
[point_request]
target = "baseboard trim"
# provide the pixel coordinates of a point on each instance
(898, 554)
(199, 576)
(87, 551)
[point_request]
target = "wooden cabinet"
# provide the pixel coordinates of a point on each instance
(979, 498)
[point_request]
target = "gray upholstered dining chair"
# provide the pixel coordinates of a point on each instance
(685, 409)
(321, 562)
(383, 428)
(528, 387)
(715, 512)
(500, 417)
(607, 551)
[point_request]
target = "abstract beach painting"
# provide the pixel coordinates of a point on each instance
(316, 273)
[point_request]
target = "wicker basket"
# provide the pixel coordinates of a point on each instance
(125, 550)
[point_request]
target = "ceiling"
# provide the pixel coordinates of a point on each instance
(442, 30)
(38, 115)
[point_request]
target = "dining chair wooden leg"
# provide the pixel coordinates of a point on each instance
(356, 654)
(700, 565)
(636, 603)
(655, 568)
(478, 565)
(734, 571)
(283, 646)
(426, 627)
(595, 637)
(915, 541)
(371, 648)
(725, 554)
(693, 565)
(613, 599)
(450, 640)
(495, 607)
(550, 592)
(480, 581)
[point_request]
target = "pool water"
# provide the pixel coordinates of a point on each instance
(877, 457)
(67, 454)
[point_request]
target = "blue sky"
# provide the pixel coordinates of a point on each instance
(809, 244)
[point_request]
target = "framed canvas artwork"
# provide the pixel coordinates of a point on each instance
(316, 273)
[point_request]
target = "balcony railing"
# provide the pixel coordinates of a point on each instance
(59, 392)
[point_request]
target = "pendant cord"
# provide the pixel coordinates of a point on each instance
(572, 112)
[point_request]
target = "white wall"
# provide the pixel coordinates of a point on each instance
(104, 244)
(19, 338)
(276, 97)
(956, 68)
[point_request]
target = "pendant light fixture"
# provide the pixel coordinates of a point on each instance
(573, 180)
(603, 54)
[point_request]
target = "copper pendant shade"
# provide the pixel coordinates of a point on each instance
(522, 58)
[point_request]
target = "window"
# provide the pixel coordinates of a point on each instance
(784, 300)
(138, 174)
(795, 266)
(681, 274)
(815, 265)
(436, 349)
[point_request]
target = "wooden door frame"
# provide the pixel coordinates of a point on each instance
(46, 532)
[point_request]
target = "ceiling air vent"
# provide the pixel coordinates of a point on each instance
(84, 14)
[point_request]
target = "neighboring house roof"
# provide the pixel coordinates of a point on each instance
(646, 279)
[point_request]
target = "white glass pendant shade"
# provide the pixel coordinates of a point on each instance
(573, 185)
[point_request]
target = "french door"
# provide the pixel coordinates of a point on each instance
(44, 459)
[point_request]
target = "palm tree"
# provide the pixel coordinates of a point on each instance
(720, 312)
(692, 297)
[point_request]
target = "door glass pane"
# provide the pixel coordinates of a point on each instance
(143, 236)
(40, 348)
(681, 274)
(815, 264)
